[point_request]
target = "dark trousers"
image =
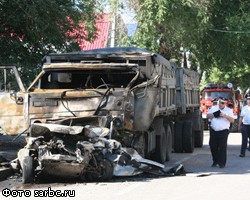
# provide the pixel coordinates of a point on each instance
(245, 132)
(218, 146)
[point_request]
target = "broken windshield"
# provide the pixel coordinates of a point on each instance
(81, 79)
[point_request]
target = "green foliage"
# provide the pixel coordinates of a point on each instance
(30, 29)
(216, 34)
(237, 76)
(164, 26)
(226, 41)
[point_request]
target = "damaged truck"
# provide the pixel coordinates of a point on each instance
(89, 113)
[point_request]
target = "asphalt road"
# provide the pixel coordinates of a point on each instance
(201, 182)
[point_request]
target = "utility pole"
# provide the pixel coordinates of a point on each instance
(114, 22)
(113, 29)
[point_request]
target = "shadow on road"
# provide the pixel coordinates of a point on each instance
(200, 162)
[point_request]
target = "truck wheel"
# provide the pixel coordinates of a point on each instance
(160, 153)
(178, 148)
(104, 172)
(198, 137)
(188, 136)
(28, 169)
(169, 142)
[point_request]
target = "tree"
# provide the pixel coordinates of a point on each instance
(30, 29)
(214, 33)
(165, 26)
(226, 41)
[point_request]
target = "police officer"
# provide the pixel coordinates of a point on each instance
(214, 103)
(244, 126)
(221, 116)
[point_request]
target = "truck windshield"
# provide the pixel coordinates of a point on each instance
(66, 79)
(212, 95)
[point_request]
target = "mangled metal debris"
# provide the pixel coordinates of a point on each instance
(81, 152)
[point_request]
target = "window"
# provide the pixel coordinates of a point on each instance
(8, 80)
(213, 95)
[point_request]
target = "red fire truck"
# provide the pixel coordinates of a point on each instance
(220, 90)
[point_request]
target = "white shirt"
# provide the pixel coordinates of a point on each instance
(245, 114)
(220, 123)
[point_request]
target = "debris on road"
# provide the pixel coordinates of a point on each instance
(83, 152)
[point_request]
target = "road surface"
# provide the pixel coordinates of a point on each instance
(201, 182)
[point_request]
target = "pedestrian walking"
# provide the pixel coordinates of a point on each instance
(221, 116)
(244, 126)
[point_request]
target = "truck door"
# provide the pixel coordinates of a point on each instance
(13, 117)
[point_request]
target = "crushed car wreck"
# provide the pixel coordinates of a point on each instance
(68, 152)
(88, 113)
(80, 152)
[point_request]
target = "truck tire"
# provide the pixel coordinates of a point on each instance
(104, 172)
(160, 152)
(172, 132)
(27, 169)
(169, 141)
(178, 126)
(188, 136)
(199, 136)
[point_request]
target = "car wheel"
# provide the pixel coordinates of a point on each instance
(28, 169)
